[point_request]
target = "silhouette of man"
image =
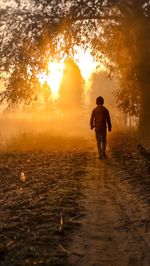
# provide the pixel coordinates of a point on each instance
(100, 119)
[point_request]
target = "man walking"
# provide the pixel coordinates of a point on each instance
(100, 119)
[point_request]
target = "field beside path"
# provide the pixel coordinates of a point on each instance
(60, 205)
(123, 146)
(39, 198)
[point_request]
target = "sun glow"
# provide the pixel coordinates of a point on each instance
(53, 77)
(85, 61)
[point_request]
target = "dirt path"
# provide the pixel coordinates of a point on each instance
(115, 227)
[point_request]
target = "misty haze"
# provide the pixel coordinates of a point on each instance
(75, 133)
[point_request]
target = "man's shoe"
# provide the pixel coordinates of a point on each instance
(105, 156)
(100, 157)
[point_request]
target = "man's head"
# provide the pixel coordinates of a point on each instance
(99, 100)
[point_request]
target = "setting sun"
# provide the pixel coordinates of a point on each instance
(85, 62)
(53, 77)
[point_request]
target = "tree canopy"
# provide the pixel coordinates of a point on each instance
(31, 32)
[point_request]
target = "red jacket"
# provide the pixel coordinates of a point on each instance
(100, 118)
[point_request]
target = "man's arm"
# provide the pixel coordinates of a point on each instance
(108, 120)
(92, 120)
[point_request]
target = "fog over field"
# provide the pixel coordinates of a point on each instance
(59, 121)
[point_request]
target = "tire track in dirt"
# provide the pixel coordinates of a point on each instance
(115, 228)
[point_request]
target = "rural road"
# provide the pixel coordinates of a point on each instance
(106, 217)
(115, 227)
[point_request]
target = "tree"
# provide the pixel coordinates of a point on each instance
(111, 26)
(32, 34)
(71, 87)
(128, 46)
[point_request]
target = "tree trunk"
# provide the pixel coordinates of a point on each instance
(142, 65)
(144, 121)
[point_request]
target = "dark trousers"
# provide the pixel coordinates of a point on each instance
(101, 142)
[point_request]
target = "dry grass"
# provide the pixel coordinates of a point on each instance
(137, 168)
(32, 202)
(30, 141)
(31, 208)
